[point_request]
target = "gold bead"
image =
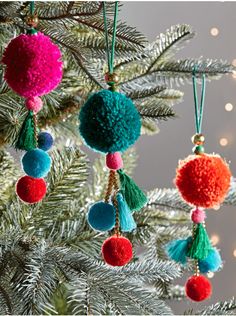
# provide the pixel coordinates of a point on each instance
(32, 20)
(198, 139)
(111, 78)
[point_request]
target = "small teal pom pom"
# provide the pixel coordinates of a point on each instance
(101, 216)
(127, 223)
(212, 262)
(177, 249)
(109, 122)
(45, 141)
(36, 163)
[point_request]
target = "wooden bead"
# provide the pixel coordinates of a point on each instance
(198, 139)
(32, 20)
(111, 78)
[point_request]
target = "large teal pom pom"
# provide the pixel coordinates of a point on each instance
(101, 216)
(127, 222)
(109, 122)
(212, 262)
(177, 249)
(36, 163)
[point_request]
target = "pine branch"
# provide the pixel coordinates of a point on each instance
(220, 308)
(159, 111)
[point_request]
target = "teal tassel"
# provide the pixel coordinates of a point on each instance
(177, 249)
(127, 223)
(26, 138)
(134, 196)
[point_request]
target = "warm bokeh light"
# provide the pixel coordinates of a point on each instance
(223, 141)
(216, 208)
(215, 239)
(210, 274)
(234, 74)
(234, 62)
(214, 31)
(229, 107)
(234, 252)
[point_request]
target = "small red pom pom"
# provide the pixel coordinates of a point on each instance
(117, 250)
(203, 180)
(198, 288)
(31, 190)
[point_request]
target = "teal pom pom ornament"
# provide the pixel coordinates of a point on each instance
(101, 216)
(177, 249)
(36, 163)
(109, 122)
(127, 222)
(212, 262)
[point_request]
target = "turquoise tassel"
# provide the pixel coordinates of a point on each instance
(127, 223)
(177, 249)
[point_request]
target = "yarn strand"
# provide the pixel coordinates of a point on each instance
(31, 7)
(110, 55)
(198, 109)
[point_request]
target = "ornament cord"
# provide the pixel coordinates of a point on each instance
(198, 110)
(31, 7)
(110, 55)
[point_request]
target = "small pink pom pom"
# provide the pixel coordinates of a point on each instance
(198, 216)
(114, 161)
(34, 104)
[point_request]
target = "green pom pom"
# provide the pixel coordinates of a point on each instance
(26, 138)
(109, 122)
(134, 196)
(201, 244)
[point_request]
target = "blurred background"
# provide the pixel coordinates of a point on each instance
(214, 23)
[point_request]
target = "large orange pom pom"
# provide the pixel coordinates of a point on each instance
(203, 180)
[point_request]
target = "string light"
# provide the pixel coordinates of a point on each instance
(234, 74)
(234, 253)
(214, 31)
(229, 107)
(215, 239)
(223, 141)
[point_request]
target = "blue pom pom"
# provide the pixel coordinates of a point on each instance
(109, 122)
(177, 249)
(36, 163)
(212, 262)
(45, 141)
(101, 216)
(127, 223)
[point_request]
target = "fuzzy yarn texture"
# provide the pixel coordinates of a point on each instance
(33, 65)
(198, 216)
(101, 216)
(45, 141)
(177, 249)
(114, 161)
(203, 180)
(127, 222)
(34, 104)
(198, 288)
(212, 263)
(36, 163)
(117, 251)
(31, 190)
(109, 122)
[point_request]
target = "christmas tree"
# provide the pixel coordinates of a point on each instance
(50, 260)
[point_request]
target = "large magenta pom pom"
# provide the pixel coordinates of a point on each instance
(33, 65)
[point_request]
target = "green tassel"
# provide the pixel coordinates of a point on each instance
(135, 198)
(201, 245)
(26, 138)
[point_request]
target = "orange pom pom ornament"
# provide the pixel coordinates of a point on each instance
(203, 181)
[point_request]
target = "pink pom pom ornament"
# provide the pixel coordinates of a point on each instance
(34, 104)
(198, 216)
(33, 65)
(114, 161)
